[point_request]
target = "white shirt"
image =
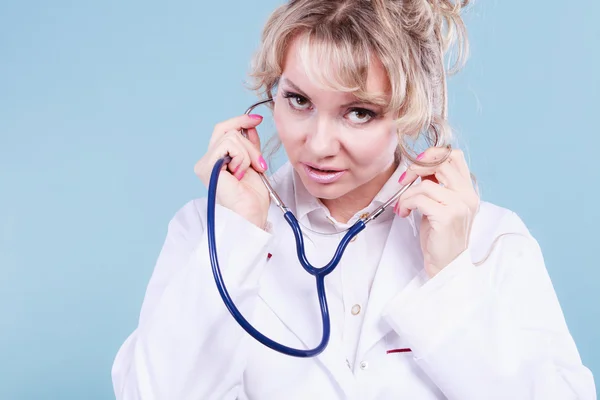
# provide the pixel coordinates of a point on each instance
(488, 326)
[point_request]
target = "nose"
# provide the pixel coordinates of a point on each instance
(323, 142)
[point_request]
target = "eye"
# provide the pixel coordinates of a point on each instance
(360, 115)
(297, 101)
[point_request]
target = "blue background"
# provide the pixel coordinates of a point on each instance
(105, 107)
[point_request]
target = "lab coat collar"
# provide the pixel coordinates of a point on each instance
(306, 204)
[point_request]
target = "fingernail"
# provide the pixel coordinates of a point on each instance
(402, 177)
(255, 116)
(241, 175)
(263, 163)
(420, 156)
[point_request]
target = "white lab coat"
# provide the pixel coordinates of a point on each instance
(476, 332)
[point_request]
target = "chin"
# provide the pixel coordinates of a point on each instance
(328, 191)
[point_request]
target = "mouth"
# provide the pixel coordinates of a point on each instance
(323, 174)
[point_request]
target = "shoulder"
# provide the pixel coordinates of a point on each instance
(497, 219)
(493, 223)
(189, 221)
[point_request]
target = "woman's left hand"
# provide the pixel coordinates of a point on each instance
(448, 201)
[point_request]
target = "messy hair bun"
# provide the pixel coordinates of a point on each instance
(450, 29)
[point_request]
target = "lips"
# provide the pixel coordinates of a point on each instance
(323, 168)
(323, 174)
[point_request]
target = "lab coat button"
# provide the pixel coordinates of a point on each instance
(364, 365)
(355, 309)
(353, 239)
(348, 364)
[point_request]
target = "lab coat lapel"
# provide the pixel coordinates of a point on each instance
(290, 292)
(401, 261)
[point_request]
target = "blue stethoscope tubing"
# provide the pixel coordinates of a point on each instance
(318, 273)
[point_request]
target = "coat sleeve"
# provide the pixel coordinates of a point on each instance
(493, 330)
(186, 344)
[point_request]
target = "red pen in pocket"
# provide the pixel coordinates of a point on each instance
(405, 350)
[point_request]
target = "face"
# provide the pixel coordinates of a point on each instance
(339, 145)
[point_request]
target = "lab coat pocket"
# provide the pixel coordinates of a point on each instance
(395, 344)
(403, 364)
(397, 354)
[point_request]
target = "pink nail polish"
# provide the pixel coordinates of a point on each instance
(241, 175)
(255, 116)
(420, 156)
(263, 163)
(402, 177)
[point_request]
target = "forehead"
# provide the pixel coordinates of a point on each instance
(332, 67)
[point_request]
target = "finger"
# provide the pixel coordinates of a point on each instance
(458, 160)
(434, 155)
(253, 157)
(446, 173)
(253, 137)
(432, 190)
(425, 204)
(252, 144)
(240, 159)
(237, 123)
(228, 145)
(239, 163)
(430, 178)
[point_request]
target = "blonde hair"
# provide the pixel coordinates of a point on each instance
(411, 38)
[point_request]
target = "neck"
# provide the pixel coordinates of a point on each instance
(345, 207)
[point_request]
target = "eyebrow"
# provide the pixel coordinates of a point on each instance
(379, 101)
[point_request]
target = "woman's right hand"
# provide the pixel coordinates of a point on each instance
(240, 189)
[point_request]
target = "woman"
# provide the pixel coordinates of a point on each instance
(444, 296)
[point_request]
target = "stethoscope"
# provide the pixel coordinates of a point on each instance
(318, 273)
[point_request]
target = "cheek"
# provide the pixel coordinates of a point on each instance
(285, 127)
(379, 148)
